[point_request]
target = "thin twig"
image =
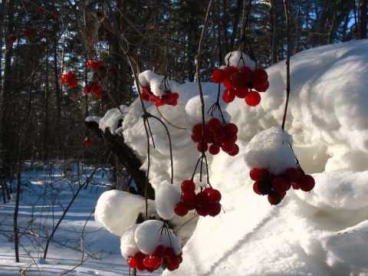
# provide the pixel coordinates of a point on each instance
(287, 17)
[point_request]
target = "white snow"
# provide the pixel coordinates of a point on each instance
(239, 59)
(167, 195)
(311, 233)
(128, 246)
(267, 148)
(111, 119)
(118, 210)
(152, 233)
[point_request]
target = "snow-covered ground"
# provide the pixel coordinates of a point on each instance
(80, 246)
(323, 232)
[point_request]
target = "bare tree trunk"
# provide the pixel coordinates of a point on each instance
(46, 112)
(58, 100)
(363, 18)
(23, 135)
(6, 89)
(273, 56)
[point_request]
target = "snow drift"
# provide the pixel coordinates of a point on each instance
(324, 232)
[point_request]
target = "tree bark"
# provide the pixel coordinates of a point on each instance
(363, 18)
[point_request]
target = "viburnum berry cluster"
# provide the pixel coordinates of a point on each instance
(162, 257)
(70, 79)
(88, 142)
(215, 136)
(94, 64)
(93, 88)
(241, 79)
(276, 186)
(168, 97)
(206, 202)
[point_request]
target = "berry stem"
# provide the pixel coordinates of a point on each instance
(288, 54)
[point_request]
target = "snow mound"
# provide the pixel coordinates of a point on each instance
(118, 210)
(112, 118)
(267, 148)
(128, 246)
(239, 59)
(152, 233)
(308, 233)
(167, 195)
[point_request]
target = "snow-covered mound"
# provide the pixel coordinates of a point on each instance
(324, 232)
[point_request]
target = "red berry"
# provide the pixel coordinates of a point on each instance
(218, 75)
(132, 262)
(88, 142)
(12, 38)
(256, 188)
(253, 98)
(228, 146)
(154, 262)
(262, 87)
(231, 129)
(197, 129)
(202, 146)
(180, 209)
(229, 95)
(258, 174)
(139, 256)
(246, 73)
(213, 195)
(264, 187)
(187, 186)
(227, 83)
(27, 33)
(214, 209)
(159, 251)
(295, 186)
(55, 14)
(237, 80)
(280, 184)
(241, 92)
(188, 197)
(214, 124)
(230, 70)
(293, 174)
(274, 198)
(306, 183)
(260, 76)
(202, 211)
(214, 149)
(219, 137)
(169, 252)
(234, 151)
(201, 199)
(196, 138)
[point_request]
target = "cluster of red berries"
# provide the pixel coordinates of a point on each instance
(206, 202)
(276, 186)
(216, 135)
(69, 79)
(54, 14)
(93, 88)
(13, 38)
(88, 142)
(93, 64)
(242, 83)
(168, 97)
(162, 256)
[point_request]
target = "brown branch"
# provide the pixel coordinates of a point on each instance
(127, 157)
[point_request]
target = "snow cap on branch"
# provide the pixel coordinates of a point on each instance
(153, 233)
(270, 149)
(167, 195)
(239, 59)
